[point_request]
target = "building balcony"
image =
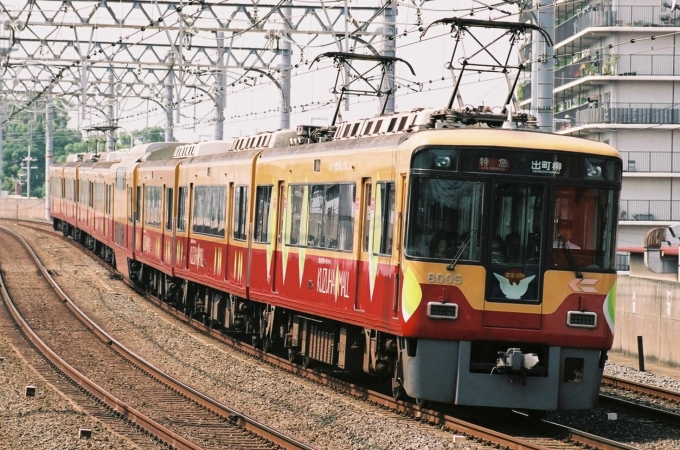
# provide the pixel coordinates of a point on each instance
(642, 162)
(649, 210)
(618, 65)
(614, 16)
(596, 113)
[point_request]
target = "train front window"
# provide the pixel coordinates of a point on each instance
(515, 243)
(444, 218)
(583, 229)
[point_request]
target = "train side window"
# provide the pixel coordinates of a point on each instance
(130, 203)
(345, 217)
(152, 201)
(182, 209)
(368, 211)
(168, 208)
(383, 223)
(221, 198)
(240, 210)
(109, 198)
(317, 208)
(100, 196)
(201, 209)
(263, 197)
(138, 204)
(296, 195)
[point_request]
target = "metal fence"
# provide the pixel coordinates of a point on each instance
(618, 64)
(649, 210)
(624, 113)
(609, 16)
(651, 161)
(623, 261)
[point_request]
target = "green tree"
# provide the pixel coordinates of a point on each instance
(143, 136)
(28, 127)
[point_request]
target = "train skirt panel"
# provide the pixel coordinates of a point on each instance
(445, 371)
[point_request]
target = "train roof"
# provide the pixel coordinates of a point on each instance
(201, 149)
(495, 137)
(478, 137)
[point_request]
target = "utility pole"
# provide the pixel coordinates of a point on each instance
(27, 161)
(49, 153)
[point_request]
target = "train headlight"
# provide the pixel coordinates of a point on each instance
(442, 162)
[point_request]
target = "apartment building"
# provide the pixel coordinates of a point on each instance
(617, 80)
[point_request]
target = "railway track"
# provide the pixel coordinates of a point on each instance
(127, 386)
(533, 434)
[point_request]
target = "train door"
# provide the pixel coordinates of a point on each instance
(518, 216)
(108, 208)
(362, 297)
(398, 245)
(277, 238)
(180, 244)
(130, 218)
(137, 224)
(168, 232)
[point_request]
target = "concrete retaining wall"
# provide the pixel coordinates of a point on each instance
(651, 309)
(22, 208)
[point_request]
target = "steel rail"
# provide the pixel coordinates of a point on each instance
(665, 394)
(111, 401)
(235, 417)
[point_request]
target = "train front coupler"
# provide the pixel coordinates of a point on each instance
(515, 363)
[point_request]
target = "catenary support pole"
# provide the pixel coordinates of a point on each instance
(389, 48)
(169, 84)
(543, 67)
(221, 91)
(110, 141)
(286, 53)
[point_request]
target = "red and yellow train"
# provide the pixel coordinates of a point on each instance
(473, 266)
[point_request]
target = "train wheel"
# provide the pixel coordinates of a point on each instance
(398, 392)
(292, 355)
(306, 361)
(422, 403)
(266, 344)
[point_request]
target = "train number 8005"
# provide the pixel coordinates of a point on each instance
(444, 278)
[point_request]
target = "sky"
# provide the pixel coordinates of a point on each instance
(253, 109)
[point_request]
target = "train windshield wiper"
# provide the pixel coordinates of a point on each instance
(460, 251)
(570, 256)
